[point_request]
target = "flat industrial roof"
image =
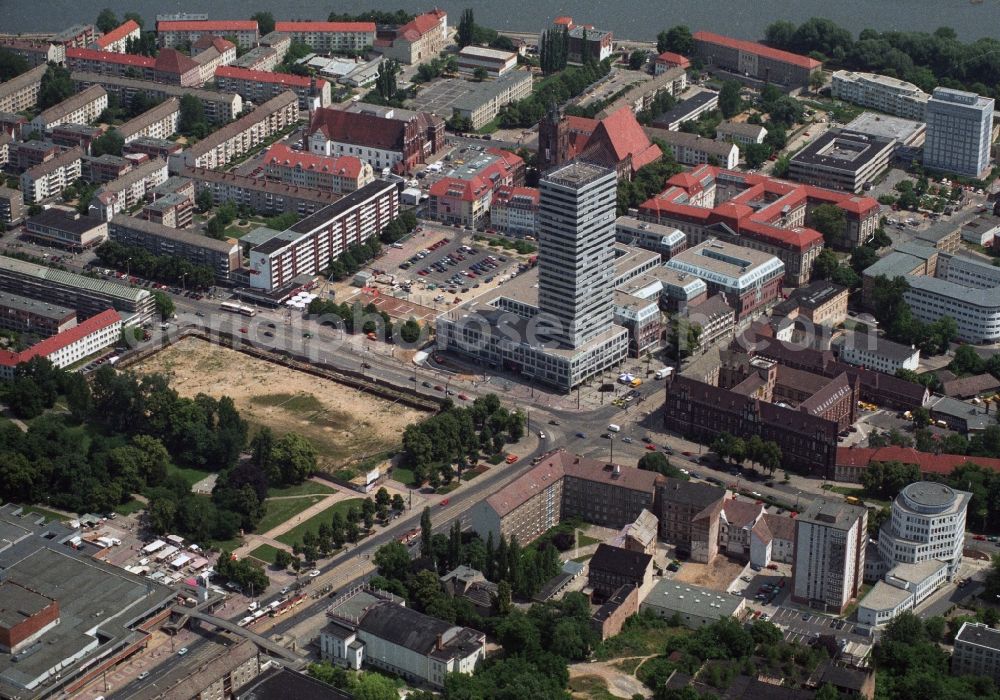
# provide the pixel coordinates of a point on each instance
(35, 306)
(687, 599)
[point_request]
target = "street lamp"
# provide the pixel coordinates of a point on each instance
(184, 280)
(128, 267)
(611, 439)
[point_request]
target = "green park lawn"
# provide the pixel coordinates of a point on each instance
(312, 524)
(279, 510)
(306, 488)
(265, 553)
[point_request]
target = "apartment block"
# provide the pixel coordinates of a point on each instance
(692, 149)
(843, 160)
(212, 53)
(152, 147)
(20, 93)
(262, 196)
(105, 168)
(313, 243)
(72, 345)
(977, 651)
(82, 108)
(219, 107)
(330, 37)
(66, 229)
(233, 140)
(11, 206)
(830, 542)
(418, 41)
(959, 132)
(36, 53)
(77, 35)
(222, 256)
(70, 135)
(159, 122)
(514, 210)
(24, 315)
(880, 92)
(262, 58)
(117, 39)
(336, 174)
(173, 210)
(260, 86)
(170, 33)
(126, 192)
(89, 296)
(50, 178)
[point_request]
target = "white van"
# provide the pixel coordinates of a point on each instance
(614, 428)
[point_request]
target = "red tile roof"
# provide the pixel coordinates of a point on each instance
(118, 33)
(207, 26)
(212, 41)
(263, 76)
(109, 57)
(60, 340)
(173, 61)
(368, 27)
(421, 24)
(357, 128)
(504, 194)
(618, 136)
(781, 527)
(465, 190)
(927, 462)
(758, 49)
(281, 155)
(673, 59)
(564, 20)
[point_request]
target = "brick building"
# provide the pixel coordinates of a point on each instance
(689, 517)
(613, 567)
(749, 61)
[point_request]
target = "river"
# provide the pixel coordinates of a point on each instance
(627, 19)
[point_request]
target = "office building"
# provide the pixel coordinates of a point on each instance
(959, 132)
(259, 86)
(692, 149)
(221, 256)
(976, 651)
(688, 109)
(696, 606)
(219, 107)
(843, 160)
(642, 319)
(50, 178)
(125, 192)
(279, 683)
(88, 295)
(383, 137)
(908, 135)
(871, 351)
(243, 135)
(170, 33)
(756, 211)
(66, 229)
(82, 108)
(335, 174)
(371, 628)
(904, 587)
(822, 303)
(665, 240)
(39, 318)
(420, 40)
(478, 103)
(310, 245)
(749, 61)
(927, 522)
(689, 517)
(750, 279)
(11, 206)
(159, 122)
(262, 196)
(330, 37)
(830, 540)
(493, 61)
(880, 92)
(20, 93)
(965, 289)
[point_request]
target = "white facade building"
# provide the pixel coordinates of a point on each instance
(964, 289)
(959, 132)
(880, 92)
(904, 588)
(72, 345)
(977, 651)
(927, 523)
(873, 352)
(829, 554)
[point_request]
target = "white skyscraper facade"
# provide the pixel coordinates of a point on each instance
(959, 127)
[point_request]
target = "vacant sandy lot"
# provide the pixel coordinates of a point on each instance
(718, 575)
(344, 424)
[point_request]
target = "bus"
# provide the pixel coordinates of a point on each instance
(237, 308)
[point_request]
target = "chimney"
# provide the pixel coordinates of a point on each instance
(440, 642)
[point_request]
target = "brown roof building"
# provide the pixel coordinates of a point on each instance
(689, 517)
(612, 567)
(969, 387)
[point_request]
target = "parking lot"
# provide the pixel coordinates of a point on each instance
(804, 627)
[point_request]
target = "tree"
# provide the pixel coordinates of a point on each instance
(398, 503)
(862, 258)
(466, 28)
(374, 686)
(192, 115)
(11, 65)
(164, 305)
(204, 200)
(409, 332)
(480, 74)
(392, 560)
(425, 532)
(825, 265)
(56, 86)
(756, 153)
(265, 22)
(677, 39)
(110, 142)
(282, 559)
(816, 80)
(293, 459)
(637, 59)
(966, 361)
(730, 101)
(829, 220)
(106, 20)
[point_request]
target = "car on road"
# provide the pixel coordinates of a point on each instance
(284, 590)
(425, 384)
(541, 435)
(314, 573)
(646, 438)
(365, 365)
(243, 330)
(438, 387)
(581, 435)
(687, 454)
(651, 447)
(606, 436)
(627, 440)
(748, 579)
(307, 335)
(182, 651)
(979, 538)
(553, 422)
(199, 314)
(464, 397)
(268, 334)
(444, 502)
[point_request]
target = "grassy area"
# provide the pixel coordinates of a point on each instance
(403, 475)
(490, 127)
(585, 557)
(129, 507)
(298, 403)
(265, 553)
(640, 637)
(567, 527)
(190, 475)
(591, 687)
(49, 515)
(226, 545)
(306, 488)
(278, 511)
(312, 524)
(235, 231)
(496, 459)
(852, 608)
